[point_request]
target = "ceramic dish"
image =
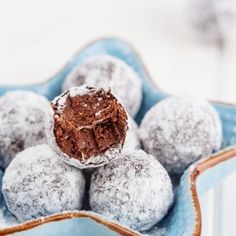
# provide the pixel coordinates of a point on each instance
(185, 217)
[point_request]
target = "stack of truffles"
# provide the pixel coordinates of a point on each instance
(85, 151)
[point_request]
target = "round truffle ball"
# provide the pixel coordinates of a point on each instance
(105, 71)
(37, 183)
(22, 123)
(214, 19)
(87, 127)
(132, 141)
(134, 190)
(180, 130)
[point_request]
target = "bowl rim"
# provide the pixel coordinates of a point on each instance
(197, 169)
(118, 228)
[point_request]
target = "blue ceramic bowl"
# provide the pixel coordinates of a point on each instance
(185, 217)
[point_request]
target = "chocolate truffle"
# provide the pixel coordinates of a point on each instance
(132, 141)
(22, 123)
(105, 71)
(135, 190)
(37, 183)
(180, 130)
(214, 20)
(87, 127)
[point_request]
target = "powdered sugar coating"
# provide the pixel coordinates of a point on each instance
(84, 163)
(214, 19)
(180, 130)
(37, 183)
(22, 123)
(135, 190)
(132, 141)
(106, 71)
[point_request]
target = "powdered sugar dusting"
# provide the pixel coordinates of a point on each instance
(135, 190)
(106, 71)
(22, 125)
(180, 130)
(37, 183)
(60, 101)
(79, 91)
(132, 141)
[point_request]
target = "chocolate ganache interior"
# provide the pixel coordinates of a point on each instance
(89, 123)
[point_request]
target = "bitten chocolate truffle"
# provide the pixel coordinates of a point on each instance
(180, 130)
(87, 127)
(22, 123)
(37, 183)
(134, 190)
(105, 71)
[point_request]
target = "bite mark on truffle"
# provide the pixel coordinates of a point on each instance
(88, 124)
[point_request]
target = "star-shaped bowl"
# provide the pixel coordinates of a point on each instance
(185, 216)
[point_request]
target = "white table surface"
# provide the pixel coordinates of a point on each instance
(38, 37)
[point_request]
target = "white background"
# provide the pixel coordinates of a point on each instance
(38, 37)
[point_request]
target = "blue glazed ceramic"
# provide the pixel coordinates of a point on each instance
(185, 216)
